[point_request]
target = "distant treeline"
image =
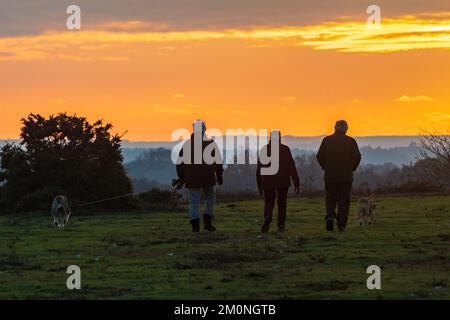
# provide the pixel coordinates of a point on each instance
(395, 155)
(154, 168)
(65, 154)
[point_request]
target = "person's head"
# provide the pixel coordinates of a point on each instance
(275, 134)
(341, 126)
(199, 126)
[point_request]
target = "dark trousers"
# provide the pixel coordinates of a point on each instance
(338, 193)
(269, 203)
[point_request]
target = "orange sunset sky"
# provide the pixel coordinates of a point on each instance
(150, 67)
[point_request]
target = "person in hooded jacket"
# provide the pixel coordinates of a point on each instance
(276, 186)
(200, 175)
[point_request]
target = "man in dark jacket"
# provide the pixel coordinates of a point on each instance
(200, 170)
(339, 156)
(273, 185)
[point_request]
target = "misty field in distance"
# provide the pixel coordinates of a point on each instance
(155, 255)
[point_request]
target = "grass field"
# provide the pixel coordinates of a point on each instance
(155, 256)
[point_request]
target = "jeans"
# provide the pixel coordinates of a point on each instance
(194, 201)
(269, 203)
(338, 194)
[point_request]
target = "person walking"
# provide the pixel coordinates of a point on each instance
(339, 157)
(276, 186)
(199, 175)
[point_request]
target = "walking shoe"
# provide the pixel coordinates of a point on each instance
(330, 225)
(208, 223)
(195, 225)
(281, 229)
(265, 226)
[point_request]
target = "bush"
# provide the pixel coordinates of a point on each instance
(65, 155)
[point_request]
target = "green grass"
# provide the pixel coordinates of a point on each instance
(155, 256)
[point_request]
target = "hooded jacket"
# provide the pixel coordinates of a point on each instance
(286, 171)
(201, 174)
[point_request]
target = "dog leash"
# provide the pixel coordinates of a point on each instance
(171, 200)
(108, 199)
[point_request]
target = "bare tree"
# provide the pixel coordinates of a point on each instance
(434, 161)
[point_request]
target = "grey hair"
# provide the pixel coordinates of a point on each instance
(341, 126)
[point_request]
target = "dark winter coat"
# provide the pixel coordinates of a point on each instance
(339, 156)
(286, 171)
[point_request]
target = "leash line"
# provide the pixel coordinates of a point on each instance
(172, 192)
(109, 199)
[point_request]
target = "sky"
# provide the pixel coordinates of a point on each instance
(150, 67)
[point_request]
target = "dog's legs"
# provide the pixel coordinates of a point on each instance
(365, 217)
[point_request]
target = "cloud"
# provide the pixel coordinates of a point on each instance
(187, 108)
(400, 34)
(34, 17)
(439, 14)
(290, 99)
(159, 109)
(240, 112)
(58, 101)
(178, 96)
(437, 116)
(356, 101)
(7, 54)
(130, 26)
(413, 99)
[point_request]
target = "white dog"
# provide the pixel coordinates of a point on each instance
(60, 211)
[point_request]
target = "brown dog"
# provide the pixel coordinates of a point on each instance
(366, 211)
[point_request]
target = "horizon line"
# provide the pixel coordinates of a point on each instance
(287, 135)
